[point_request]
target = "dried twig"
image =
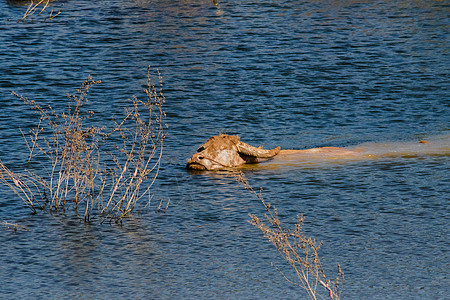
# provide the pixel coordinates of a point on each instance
(76, 155)
(13, 226)
(34, 7)
(300, 251)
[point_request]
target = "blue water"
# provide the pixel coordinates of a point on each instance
(289, 73)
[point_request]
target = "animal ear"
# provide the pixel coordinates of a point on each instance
(235, 139)
(248, 150)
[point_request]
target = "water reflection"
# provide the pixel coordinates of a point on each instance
(87, 252)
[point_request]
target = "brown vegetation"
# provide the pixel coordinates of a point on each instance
(299, 250)
(37, 6)
(105, 170)
(14, 226)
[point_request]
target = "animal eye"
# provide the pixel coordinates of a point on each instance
(200, 149)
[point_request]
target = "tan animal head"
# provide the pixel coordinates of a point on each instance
(224, 152)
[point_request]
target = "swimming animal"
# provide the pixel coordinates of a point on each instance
(224, 152)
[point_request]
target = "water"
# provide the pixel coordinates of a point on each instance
(299, 75)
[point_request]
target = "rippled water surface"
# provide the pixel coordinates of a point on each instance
(298, 74)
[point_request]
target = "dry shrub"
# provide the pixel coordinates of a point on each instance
(106, 169)
(13, 226)
(37, 6)
(299, 250)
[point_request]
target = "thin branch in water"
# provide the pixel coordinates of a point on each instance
(297, 249)
(13, 226)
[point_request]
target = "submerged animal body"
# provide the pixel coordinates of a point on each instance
(224, 152)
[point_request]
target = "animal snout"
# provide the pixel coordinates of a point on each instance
(197, 162)
(198, 156)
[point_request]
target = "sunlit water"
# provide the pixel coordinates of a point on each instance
(294, 74)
